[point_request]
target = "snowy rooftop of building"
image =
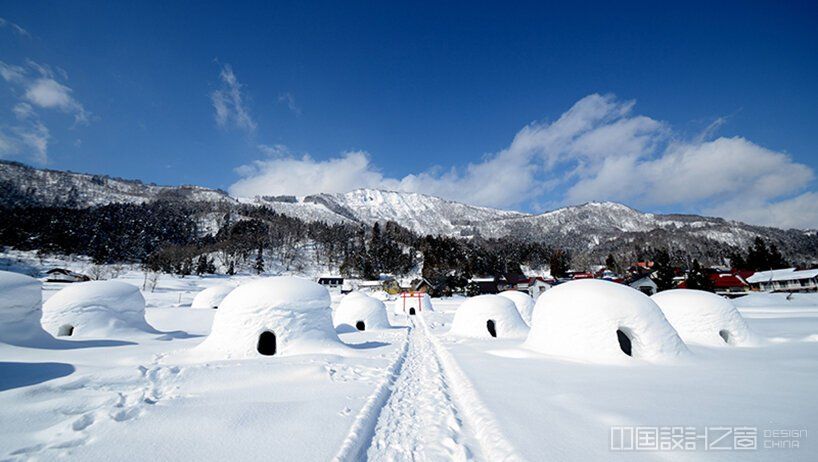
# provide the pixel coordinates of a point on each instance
(788, 274)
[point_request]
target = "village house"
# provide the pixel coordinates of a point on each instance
(331, 282)
(785, 280)
(65, 275)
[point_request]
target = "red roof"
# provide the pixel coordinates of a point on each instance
(725, 281)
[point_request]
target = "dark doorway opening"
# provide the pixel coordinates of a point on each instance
(491, 328)
(266, 343)
(215, 307)
(360, 325)
(66, 330)
(624, 342)
(725, 335)
(411, 311)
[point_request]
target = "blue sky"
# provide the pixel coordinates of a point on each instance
(693, 108)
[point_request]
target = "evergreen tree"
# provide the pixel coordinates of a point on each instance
(664, 271)
(560, 263)
(259, 266)
(231, 270)
(201, 265)
(611, 264)
(698, 279)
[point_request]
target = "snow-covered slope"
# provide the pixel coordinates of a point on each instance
(602, 226)
(24, 185)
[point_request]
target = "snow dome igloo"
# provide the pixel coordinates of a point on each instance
(410, 303)
(21, 302)
(488, 316)
(211, 297)
(96, 309)
(273, 316)
(358, 311)
(523, 302)
(705, 318)
(601, 321)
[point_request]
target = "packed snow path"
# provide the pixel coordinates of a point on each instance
(420, 420)
(417, 413)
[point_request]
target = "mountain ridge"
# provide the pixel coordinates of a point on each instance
(590, 226)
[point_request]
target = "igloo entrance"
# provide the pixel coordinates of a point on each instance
(66, 330)
(411, 311)
(491, 328)
(725, 334)
(624, 342)
(360, 325)
(267, 343)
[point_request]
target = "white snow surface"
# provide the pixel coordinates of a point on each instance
(211, 297)
(296, 310)
(705, 318)
(411, 390)
(580, 319)
(21, 302)
(523, 302)
(471, 318)
(358, 307)
(97, 309)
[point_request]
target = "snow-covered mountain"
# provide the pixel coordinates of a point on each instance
(595, 225)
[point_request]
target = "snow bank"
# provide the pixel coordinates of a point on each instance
(96, 309)
(704, 318)
(776, 300)
(594, 320)
(488, 316)
(211, 297)
(272, 316)
(523, 302)
(21, 303)
(358, 311)
(419, 301)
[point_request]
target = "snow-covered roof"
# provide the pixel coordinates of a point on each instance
(788, 274)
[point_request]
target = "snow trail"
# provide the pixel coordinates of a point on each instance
(422, 411)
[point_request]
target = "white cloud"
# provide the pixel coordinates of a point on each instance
(14, 27)
(35, 87)
(597, 150)
(289, 100)
(228, 102)
(305, 175)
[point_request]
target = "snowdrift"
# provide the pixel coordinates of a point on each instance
(273, 316)
(406, 302)
(96, 309)
(358, 311)
(211, 297)
(601, 321)
(705, 318)
(523, 302)
(21, 303)
(488, 316)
